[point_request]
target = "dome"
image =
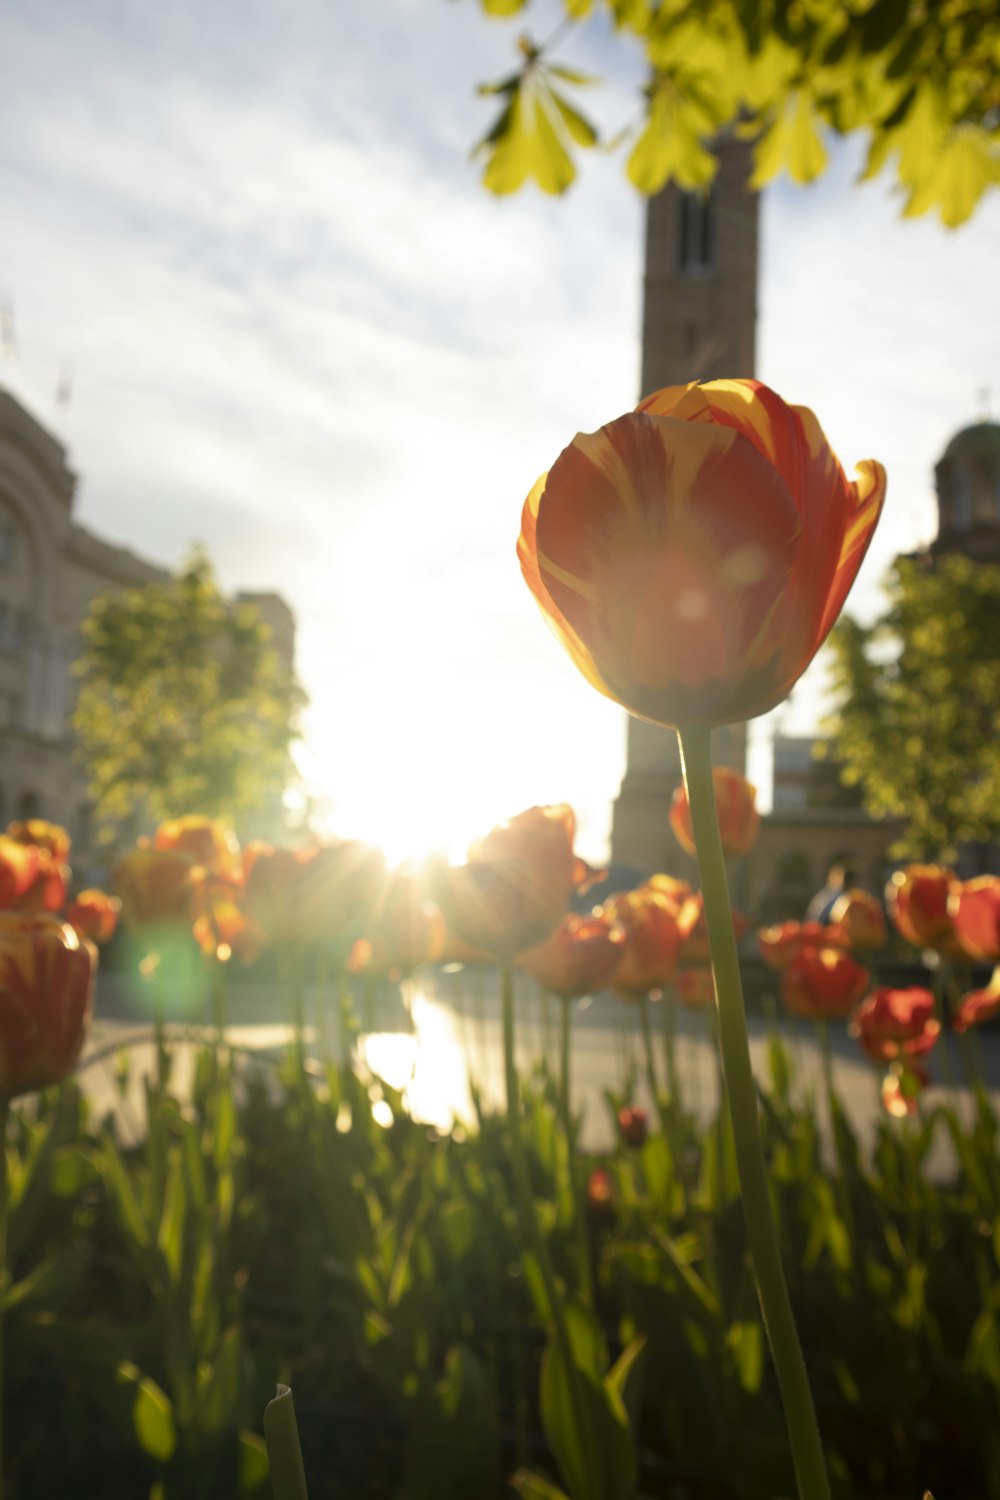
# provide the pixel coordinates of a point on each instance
(980, 441)
(968, 490)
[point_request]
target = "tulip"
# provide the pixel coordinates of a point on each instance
(516, 884)
(917, 899)
(858, 922)
(221, 927)
(207, 841)
(633, 1126)
(18, 867)
(693, 930)
(896, 1025)
(783, 942)
(648, 954)
(50, 885)
(578, 958)
(309, 895)
(978, 1006)
(94, 914)
(407, 931)
(42, 835)
(600, 1191)
(695, 987)
(156, 887)
(823, 984)
(692, 555)
(974, 909)
(736, 808)
(676, 891)
(46, 988)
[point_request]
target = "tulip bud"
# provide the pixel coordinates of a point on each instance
(735, 806)
(633, 1125)
(46, 989)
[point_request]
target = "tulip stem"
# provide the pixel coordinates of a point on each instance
(651, 1083)
(566, 1116)
(530, 1227)
(779, 1321)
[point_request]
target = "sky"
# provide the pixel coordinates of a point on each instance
(296, 329)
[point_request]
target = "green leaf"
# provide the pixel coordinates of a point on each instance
(793, 143)
(746, 1341)
(218, 1386)
(598, 1463)
(152, 1413)
(579, 127)
(533, 1487)
(625, 1376)
(253, 1461)
(502, 7)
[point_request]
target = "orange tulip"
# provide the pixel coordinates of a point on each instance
(676, 891)
(858, 922)
(207, 841)
(156, 887)
(18, 868)
(896, 1025)
(323, 891)
(516, 884)
(406, 931)
(696, 987)
(692, 555)
(735, 804)
(979, 1005)
(42, 835)
(633, 1126)
(917, 898)
(94, 914)
(46, 988)
(648, 958)
(578, 958)
(693, 930)
(50, 885)
(221, 927)
(823, 984)
(783, 942)
(974, 909)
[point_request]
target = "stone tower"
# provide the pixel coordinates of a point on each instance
(699, 323)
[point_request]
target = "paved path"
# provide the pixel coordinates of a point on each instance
(448, 1031)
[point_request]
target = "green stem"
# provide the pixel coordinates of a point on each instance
(647, 1043)
(668, 1009)
(833, 1106)
(779, 1321)
(530, 1227)
(566, 1116)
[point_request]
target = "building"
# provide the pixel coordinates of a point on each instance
(51, 570)
(699, 321)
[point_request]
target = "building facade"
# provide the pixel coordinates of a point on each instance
(51, 571)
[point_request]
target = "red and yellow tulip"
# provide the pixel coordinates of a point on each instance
(823, 984)
(692, 555)
(46, 988)
(578, 958)
(735, 805)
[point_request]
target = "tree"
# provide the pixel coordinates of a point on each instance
(184, 705)
(921, 76)
(918, 721)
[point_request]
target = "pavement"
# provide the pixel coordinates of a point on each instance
(434, 1035)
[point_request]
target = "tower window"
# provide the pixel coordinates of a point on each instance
(696, 238)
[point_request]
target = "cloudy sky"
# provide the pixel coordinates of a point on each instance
(299, 331)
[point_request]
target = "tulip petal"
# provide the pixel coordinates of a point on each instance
(675, 542)
(527, 553)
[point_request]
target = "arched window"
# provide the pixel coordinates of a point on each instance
(696, 233)
(28, 806)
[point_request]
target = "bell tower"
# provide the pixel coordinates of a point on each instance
(699, 323)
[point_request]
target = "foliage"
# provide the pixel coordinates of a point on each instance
(922, 79)
(183, 703)
(272, 1228)
(918, 721)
